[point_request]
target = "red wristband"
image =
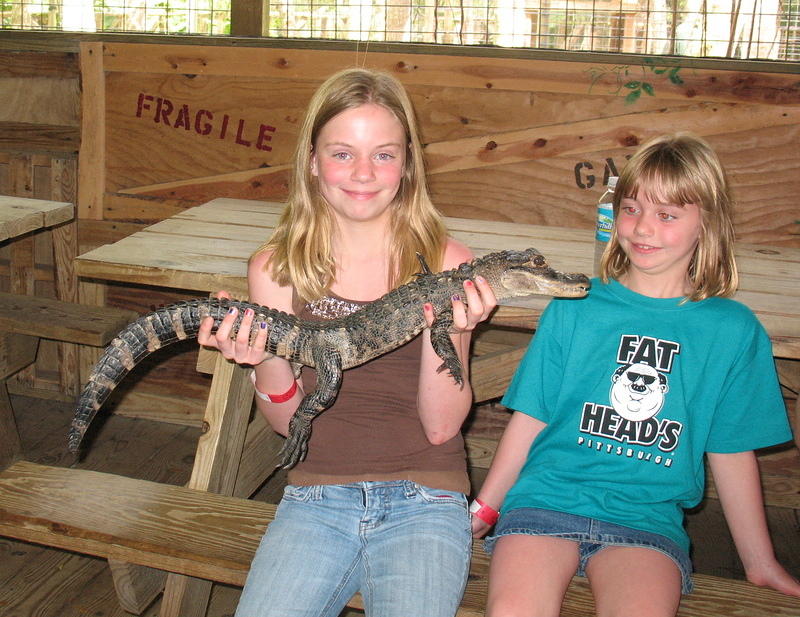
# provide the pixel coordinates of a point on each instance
(274, 398)
(486, 513)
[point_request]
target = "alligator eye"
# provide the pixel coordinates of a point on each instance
(539, 260)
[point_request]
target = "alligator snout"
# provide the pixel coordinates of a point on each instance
(565, 285)
(525, 280)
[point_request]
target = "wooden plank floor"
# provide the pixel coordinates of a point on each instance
(42, 582)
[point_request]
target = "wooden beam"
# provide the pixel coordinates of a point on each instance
(39, 137)
(437, 69)
(244, 184)
(69, 42)
(249, 17)
(92, 159)
(61, 321)
(598, 135)
(38, 64)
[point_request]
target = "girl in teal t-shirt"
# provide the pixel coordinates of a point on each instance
(620, 397)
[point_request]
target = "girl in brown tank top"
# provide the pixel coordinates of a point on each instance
(378, 505)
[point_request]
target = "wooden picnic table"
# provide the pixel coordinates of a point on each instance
(206, 248)
(20, 215)
(20, 219)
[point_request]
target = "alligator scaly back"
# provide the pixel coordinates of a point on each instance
(146, 335)
(329, 346)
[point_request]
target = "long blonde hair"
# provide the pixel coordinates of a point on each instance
(683, 169)
(302, 241)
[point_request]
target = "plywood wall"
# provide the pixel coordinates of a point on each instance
(509, 139)
(166, 127)
(160, 128)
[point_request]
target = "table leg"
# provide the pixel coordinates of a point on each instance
(216, 466)
(65, 248)
(10, 445)
(16, 352)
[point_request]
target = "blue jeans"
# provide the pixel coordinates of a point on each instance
(405, 547)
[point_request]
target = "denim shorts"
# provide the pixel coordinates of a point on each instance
(591, 535)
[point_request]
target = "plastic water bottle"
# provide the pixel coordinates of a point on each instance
(605, 221)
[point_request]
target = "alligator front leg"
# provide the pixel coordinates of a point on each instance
(444, 348)
(329, 380)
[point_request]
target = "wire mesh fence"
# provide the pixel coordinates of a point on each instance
(211, 17)
(748, 29)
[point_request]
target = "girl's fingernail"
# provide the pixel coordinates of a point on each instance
(456, 298)
(232, 310)
(468, 283)
(427, 306)
(263, 324)
(480, 279)
(248, 312)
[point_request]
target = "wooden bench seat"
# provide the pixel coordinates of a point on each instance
(62, 321)
(24, 320)
(214, 537)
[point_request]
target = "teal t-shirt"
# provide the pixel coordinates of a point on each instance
(634, 390)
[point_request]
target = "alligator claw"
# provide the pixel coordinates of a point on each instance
(295, 447)
(454, 369)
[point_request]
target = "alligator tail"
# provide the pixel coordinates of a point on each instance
(147, 334)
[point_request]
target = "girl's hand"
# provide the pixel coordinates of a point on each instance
(239, 349)
(775, 576)
(479, 527)
(480, 302)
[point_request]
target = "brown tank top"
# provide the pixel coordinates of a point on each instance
(373, 431)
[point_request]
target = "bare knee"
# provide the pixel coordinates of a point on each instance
(529, 575)
(634, 582)
(507, 607)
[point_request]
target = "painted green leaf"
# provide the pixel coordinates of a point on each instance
(674, 77)
(647, 87)
(633, 84)
(633, 97)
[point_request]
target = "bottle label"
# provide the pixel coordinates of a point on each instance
(605, 221)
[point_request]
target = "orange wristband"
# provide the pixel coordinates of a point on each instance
(274, 398)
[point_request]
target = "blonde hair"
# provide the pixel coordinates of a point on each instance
(683, 169)
(302, 241)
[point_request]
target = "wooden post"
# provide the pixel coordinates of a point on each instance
(249, 17)
(65, 249)
(91, 161)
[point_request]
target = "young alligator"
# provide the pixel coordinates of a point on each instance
(329, 346)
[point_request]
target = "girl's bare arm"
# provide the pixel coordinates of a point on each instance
(273, 375)
(739, 487)
(442, 404)
(512, 452)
